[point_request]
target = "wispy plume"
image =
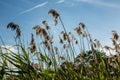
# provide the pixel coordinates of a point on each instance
(33, 8)
(60, 1)
(100, 3)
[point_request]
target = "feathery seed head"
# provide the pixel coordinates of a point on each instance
(78, 31)
(16, 27)
(55, 15)
(32, 44)
(46, 25)
(82, 25)
(115, 35)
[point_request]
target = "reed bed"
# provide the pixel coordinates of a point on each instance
(76, 56)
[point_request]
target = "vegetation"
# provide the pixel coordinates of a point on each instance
(75, 57)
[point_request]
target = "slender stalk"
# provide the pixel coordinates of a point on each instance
(88, 43)
(67, 36)
(73, 48)
(94, 55)
(81, 48)
(83, 44)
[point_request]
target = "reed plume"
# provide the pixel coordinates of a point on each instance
(115, 35)
(38, 30)
(82, 25)
(15, 27)
(46, 25)
(32, 44)
(78, 30)
(55, 15)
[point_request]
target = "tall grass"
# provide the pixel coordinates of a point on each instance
(76, 56)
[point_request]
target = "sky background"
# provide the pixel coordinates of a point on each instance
(100, 17)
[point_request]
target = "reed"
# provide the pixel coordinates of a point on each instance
(76, 57)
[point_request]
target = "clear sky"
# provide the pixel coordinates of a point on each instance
(100, 16)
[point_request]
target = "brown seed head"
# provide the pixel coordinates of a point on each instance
(44, 32)
(33, 48)
(115, 35)
(46, 25)
(82, 25)
(65, 36)
(12, 25)
(38, 29)
(78, 31)
(16, 27)
(32, 44)
(55, 15)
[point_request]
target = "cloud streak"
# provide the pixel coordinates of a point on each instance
(100, 3)
(60, 1)
(33, 8)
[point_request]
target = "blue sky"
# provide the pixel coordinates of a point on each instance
(100, 16)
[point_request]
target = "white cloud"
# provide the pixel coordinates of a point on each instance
(100, 3)
(60, 1)
(35, 7)
(3, 50)
(11, 48)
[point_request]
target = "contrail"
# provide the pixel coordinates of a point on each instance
(35, 7)
(60, 1)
